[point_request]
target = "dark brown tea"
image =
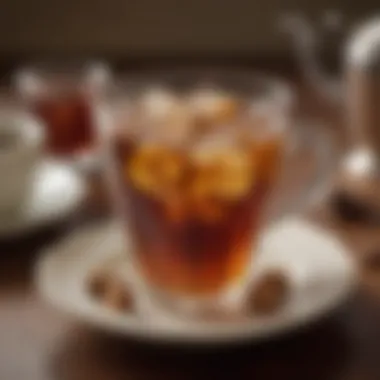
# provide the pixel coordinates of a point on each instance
(191, 235)
(186, 243)
(192, 198)
(68, 120)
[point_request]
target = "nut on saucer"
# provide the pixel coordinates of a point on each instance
(268, 294)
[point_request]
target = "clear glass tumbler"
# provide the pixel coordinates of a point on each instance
(194, 156)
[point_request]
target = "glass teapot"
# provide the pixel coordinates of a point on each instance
(357, 91)
(309, 39)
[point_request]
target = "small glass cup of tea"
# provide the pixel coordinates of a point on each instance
(62, 96)
(194, 156)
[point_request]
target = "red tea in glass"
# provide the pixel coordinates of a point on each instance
(193, 222)
(63, 99)
(193, 171)
(69, 122)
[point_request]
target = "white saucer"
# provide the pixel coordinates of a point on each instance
(321, 271)
(57, 191)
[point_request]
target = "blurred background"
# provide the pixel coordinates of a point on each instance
(134, 29)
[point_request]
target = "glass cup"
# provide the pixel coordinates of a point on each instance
(63, 96)
(193, 158)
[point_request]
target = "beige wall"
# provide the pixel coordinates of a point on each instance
(133, 27)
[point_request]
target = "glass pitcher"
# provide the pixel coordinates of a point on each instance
(310, 39)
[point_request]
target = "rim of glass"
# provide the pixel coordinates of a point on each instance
(244, 82)
(31, 76)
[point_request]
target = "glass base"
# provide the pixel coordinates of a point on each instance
(209, 308)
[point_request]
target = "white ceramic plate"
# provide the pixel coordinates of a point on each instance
(319, 267)
(57, 190)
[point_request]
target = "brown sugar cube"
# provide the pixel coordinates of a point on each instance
(118, 297)
(98, 285)
(269, 294)
(111, 292)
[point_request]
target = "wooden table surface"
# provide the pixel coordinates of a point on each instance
(39, 343)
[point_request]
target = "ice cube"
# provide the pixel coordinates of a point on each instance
(213, 106)
(165, 116)
(224, 172)
(157, 103)
(155, 169)
(178, 127)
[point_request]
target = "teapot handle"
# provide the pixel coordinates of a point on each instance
(307, 41)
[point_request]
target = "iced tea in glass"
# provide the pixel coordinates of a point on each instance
(194, 159)
(62, 96)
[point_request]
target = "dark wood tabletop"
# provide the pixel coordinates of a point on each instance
(39, 343)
